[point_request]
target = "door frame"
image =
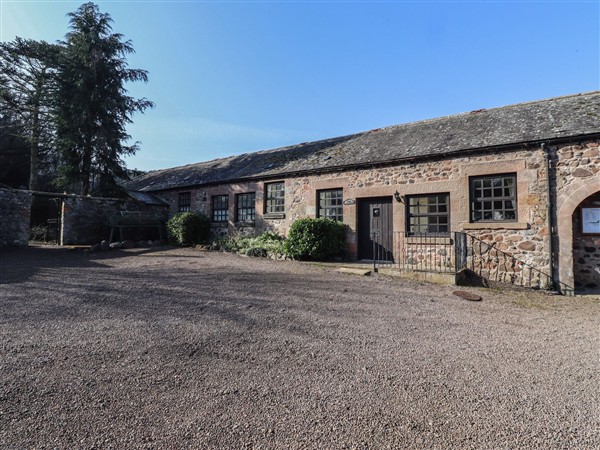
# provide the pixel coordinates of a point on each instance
(384, 245)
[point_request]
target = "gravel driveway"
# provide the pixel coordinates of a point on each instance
(177, 348)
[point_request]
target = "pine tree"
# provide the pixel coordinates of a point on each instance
(93, 106)
(14, 153)
(27, 85)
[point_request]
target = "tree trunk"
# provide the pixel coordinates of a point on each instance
(34, 167)
(34, 157)
(86, 168)
(34, 144)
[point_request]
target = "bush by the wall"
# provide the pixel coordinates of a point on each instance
(37, 233)
(188, 228)
(315, 239)
(267, 244)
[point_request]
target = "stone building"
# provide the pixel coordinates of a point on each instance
(516, 180)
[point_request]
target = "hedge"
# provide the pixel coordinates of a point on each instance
(188, 228)
(315, 239)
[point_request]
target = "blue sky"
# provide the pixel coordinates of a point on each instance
(235, 77)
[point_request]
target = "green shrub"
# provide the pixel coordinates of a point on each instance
(259, 252)
(269, 237)
(188, 228)
(37, 233)
(315, 239)
(267, 244)
(226, 243)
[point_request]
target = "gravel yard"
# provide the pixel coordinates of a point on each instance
(177, 348)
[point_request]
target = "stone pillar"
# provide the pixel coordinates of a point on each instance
(15, 215)
(580, 190)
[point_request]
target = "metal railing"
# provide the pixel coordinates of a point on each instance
(495, 265)
(425, 252)
(456, 251)
(382, 253)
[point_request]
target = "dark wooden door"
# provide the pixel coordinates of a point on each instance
(375, 228)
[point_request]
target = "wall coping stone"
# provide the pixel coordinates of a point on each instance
(496, 226)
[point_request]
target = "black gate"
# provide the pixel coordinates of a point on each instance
(45, 217)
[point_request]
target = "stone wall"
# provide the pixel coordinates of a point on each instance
(15, 212)
(576, 163)
(586, 250)
(527, 239)
(201, 201)
(577, 180)
(86, 220)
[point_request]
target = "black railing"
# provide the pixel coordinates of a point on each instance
(425, 252)
(382, 250)
(492, 264)
(457, 252)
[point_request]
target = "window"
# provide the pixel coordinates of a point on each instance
(275, 197)
(184, 202)
(220, 206)
(331, 204)
(245, 207)
(494, 198)
(428, 213)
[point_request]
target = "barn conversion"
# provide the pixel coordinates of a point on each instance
(520, 181)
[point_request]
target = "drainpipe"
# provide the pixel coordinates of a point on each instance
(550, 215)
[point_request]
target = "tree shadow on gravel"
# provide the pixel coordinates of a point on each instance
(19, 265)
(192, 291)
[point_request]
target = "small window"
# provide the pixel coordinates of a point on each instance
(220, 207)
(184, 202)
(245, 207)
(428, 214)
(494, 198)
(275, 197)
(331, 204)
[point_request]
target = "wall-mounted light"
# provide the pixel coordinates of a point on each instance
(398, 197)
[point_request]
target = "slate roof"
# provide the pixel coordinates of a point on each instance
(147, 198)
(489, 129)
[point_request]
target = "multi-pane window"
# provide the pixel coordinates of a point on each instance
(220, 206)
(245, 207)
(275, 197)
(494, 198)
(331, 203)
(428, 213)
(184, 202)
